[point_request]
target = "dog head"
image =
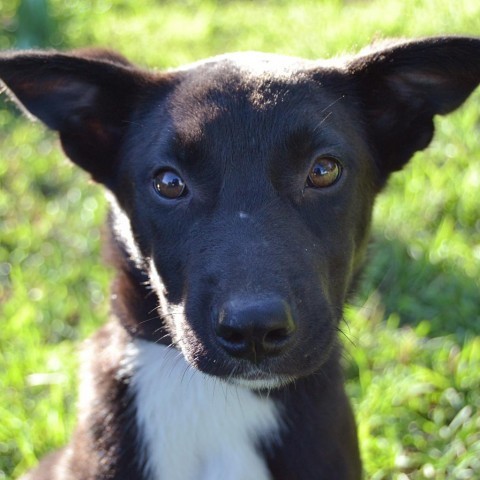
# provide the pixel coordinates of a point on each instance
(242, 186)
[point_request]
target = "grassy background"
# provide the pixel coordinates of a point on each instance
(413, 335)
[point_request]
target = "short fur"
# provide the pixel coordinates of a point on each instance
(221, 359)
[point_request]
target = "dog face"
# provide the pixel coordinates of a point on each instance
(253, 212)
(243, 185)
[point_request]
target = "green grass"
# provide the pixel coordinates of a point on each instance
(413, 350)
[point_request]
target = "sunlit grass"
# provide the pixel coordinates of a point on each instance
(414, 356)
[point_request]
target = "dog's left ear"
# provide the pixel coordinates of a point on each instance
(404, 85)
(87, 97)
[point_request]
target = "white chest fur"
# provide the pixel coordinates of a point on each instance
(196, 427)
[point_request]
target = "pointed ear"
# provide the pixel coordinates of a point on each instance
(404, 85)
(87, 97)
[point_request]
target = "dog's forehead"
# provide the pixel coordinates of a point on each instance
(242, 86)
(254, 66)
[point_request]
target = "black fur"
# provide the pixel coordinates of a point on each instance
(249, 226)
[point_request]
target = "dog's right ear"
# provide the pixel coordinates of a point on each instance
(87, 97)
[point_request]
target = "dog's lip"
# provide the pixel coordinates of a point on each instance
(261, 381)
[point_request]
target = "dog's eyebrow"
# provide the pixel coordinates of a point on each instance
(305, 139)
(300, 139)
(189, 151)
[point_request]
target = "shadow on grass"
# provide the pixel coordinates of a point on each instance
(437, 294)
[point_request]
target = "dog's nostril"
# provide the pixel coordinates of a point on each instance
(231, 335)
(254, 327)
(277, 336)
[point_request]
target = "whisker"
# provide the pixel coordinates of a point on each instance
(341, 97)
(150, 319)
(158, 340)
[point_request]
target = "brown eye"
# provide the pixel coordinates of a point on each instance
(324, 173)
(169, 184)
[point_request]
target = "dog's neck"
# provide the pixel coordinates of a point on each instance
(193, 426)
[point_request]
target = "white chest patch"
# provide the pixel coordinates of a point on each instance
(196, 427)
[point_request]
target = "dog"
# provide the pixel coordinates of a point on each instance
(241, 191)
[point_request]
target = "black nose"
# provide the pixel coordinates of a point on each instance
(253, 328)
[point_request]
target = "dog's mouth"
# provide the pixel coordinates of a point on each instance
(261, 381)
(235, 371)
(265, 376)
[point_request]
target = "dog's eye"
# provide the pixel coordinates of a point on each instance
(169, 184)
(324, 173)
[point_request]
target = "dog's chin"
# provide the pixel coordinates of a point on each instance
(261, 382)
(239, 374)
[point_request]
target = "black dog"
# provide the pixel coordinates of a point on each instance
(241, 193)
